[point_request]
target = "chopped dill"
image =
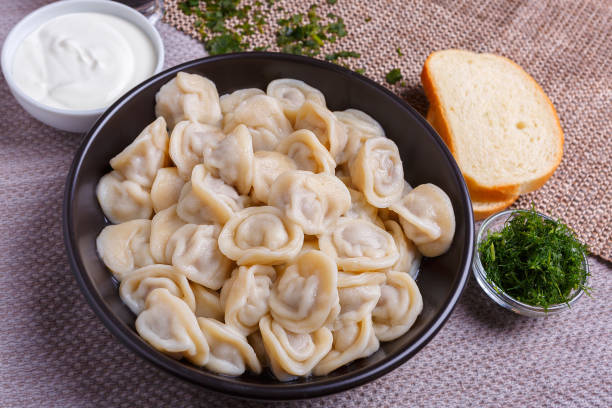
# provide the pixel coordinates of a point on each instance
(342, 54)
(535, 260)
(399, 52)
(226, 26)
(393, 76)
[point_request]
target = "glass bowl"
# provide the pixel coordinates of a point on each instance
(495, 223)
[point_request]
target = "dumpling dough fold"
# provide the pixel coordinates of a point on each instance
(264, 117)
(378, 172)
(188, 97)
(428, 219)
(123, 200)
(260, 235)
(351, 342)
(399, 306)
(295, 354)
(125, 247)
(166, 188)
(169, 325)
(141, 159)
(303, 147)
(313, 201)
(232, 159)
(230, 353)
(359, 127)
(358, 245)
(135, 288)
(245, 297)
(322, 122)
(267, 167)
(409, 257)
(292, 93)
(190, 142)
(305, 294)
(194, 251)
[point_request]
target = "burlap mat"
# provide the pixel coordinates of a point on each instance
(565, 45)
(54, 352)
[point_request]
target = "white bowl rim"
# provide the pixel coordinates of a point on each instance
(67, 4)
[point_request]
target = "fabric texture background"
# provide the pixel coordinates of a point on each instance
(54, 352)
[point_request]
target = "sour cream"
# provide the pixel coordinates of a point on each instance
(83, 61)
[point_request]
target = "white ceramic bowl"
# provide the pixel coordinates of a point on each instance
(68, 119)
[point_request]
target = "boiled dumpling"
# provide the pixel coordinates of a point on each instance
(264, 117)
(169, 325)
(148, 153)
(194, 251)
(256, 341)
(230, 353)
(292, 93)
(322, 122)
(358, 294)
(427, 216)
(166, 188)
(136, 286)
(399, 305)
(229, 102)
(305, 294)
(207, 303)
(359, 245)
(359, 127)
(123, 200)
(351, 341)
(303, 147)
(207, 199)
(232, 159)
(193, 210)
(164, 224)
(245, 297)
(188, 97)
(267, 167)
(295, 354)
(378, 173)
(260, 235)
(409, 258)
(313, 201)
(361, 209)
(190, 142)
(125, 247)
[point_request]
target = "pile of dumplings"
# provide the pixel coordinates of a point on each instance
(260, 229)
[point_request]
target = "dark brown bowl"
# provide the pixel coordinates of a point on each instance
(426, 159)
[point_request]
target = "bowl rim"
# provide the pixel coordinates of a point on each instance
(497, 294)
(71, 6)
(227, 385)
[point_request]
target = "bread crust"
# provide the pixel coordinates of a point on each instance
(437, 117)
(483, 209)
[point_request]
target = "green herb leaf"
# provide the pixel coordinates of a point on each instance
(342, 54)
(393, 76)
(534, 260)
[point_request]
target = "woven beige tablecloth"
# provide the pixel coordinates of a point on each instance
(54, 352)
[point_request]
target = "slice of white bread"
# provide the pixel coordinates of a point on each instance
(497, 122)
(482, 209)
(483, 203)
